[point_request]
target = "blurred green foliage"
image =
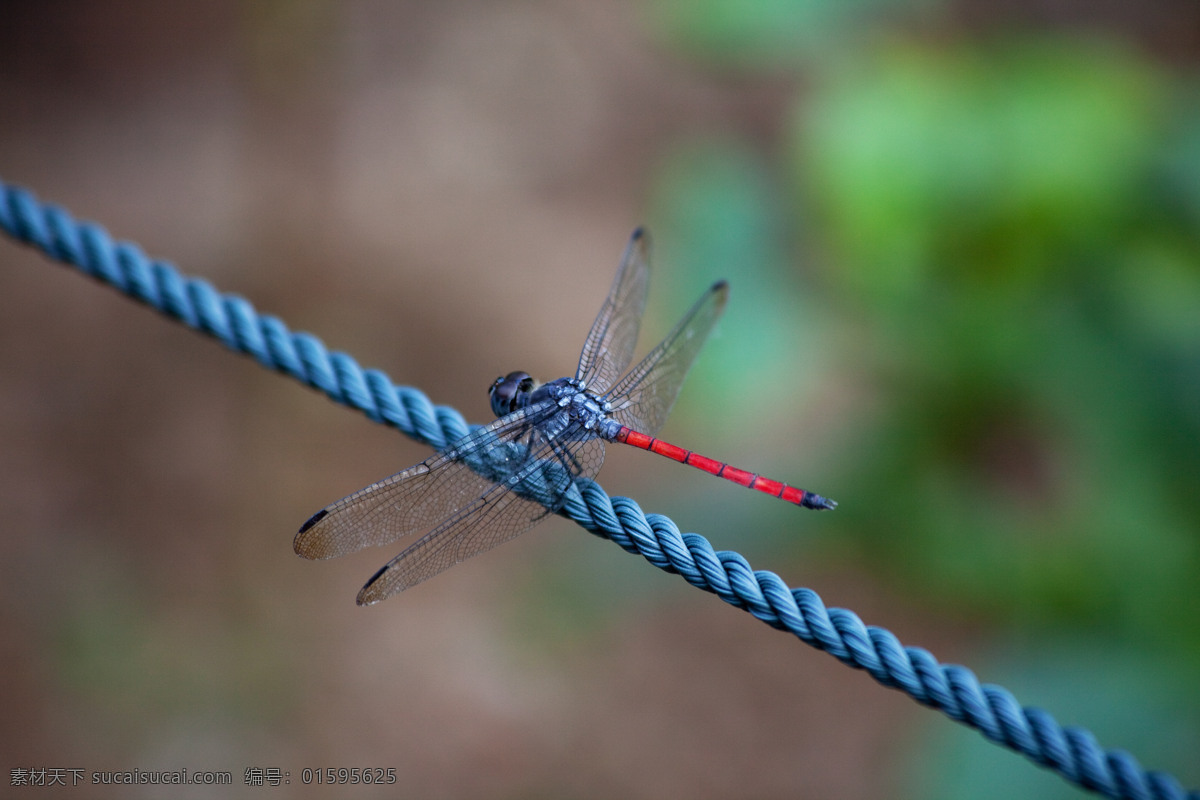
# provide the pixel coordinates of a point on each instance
(769, 34)
(992, 166)
(990, 211)
(719, 208)
(998, 237)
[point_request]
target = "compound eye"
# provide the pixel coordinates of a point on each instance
(506, 392)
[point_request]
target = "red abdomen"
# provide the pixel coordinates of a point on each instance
(741, 477)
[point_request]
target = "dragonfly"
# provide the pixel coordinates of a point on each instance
(500, 479)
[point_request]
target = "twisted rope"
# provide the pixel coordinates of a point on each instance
(954, 690)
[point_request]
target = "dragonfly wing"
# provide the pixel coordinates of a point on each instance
(458, 538)
(417, 499)
(643, 398)
(503, 512)
(608, 348)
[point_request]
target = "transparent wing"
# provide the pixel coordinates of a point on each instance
(489, 487)
(503, 512)
(608, 348)
(417, 499)
(643, 398)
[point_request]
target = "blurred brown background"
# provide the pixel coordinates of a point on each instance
(443, 191)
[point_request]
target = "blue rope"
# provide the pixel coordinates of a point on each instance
(954, 690)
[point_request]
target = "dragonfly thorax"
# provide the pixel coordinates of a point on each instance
(518, 390)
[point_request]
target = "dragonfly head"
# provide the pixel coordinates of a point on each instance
(511, 392)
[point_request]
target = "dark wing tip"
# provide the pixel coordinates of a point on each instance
(310, 546)
(366, 595)
(721, 290)
(639, 243)
(313, 520)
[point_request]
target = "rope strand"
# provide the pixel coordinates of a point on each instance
(954, 690)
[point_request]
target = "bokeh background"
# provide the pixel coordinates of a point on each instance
(962, 238)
